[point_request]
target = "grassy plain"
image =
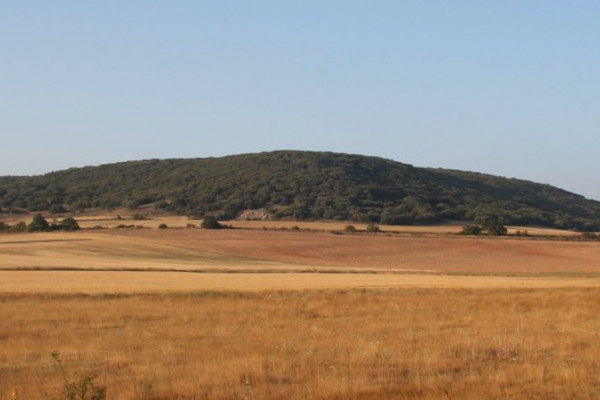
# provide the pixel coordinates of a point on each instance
(265, 314)
(351, 344)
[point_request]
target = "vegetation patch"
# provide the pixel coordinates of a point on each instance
(302, 186)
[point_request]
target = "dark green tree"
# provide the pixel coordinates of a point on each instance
(472, 230)
(493, 226)
(56, 209)
(69, 224)
(38, 224)
(210, 223)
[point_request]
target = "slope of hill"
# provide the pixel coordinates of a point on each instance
(302, 185)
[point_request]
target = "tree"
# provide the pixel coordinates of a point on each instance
(493, 226)
(211, 223)
(56, 209)
(69, 224)
(38, 224)
(472, 230)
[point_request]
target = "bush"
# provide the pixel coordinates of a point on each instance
(493, 226)
(211, 223)
(69, 224)
(19, 227)
(138, 217)
(474, 230)
(350, 228)
(81, 388)
(372, 228)
(589, 236)
(162, 226)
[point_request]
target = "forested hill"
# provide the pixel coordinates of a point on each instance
(302, 185)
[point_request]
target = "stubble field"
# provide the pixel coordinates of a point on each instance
(252, 314)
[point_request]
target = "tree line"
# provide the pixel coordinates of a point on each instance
(40, 224)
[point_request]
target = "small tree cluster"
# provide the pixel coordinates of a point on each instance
(39, 224)
(18, 227)
(211, 223)
(491, 226)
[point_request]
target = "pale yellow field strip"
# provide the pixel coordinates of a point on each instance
(126, 282)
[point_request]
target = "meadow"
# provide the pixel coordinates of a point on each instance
(313, 344)
(286, 314)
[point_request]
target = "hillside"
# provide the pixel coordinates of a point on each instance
(302, 185)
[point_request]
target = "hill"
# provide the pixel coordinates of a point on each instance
(302, 185)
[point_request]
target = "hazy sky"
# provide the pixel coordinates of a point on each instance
(510, 88)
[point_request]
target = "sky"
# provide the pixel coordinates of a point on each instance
(510, 88)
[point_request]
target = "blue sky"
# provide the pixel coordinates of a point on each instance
(509, 88)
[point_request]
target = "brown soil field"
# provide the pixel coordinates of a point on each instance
(237, 249)
(445, 254)
(381, 344)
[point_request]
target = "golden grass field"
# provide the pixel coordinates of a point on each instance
(351, 344)
(272, 314)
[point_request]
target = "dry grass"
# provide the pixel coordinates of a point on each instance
(444, 254)
(91, 282)
(84, 250)
(358, 344)
(250, 336)
(209, 250)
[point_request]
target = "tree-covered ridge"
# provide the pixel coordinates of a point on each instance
(303, 185)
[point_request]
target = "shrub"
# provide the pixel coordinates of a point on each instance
(162, 226)
(19, 227)
(81, 388)
(350, 228)
(69, 224)
(138, 217)
(475, 230)
(589, 236)
(123, 226)
(211, 223)
(493, 226)
(372, 228)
